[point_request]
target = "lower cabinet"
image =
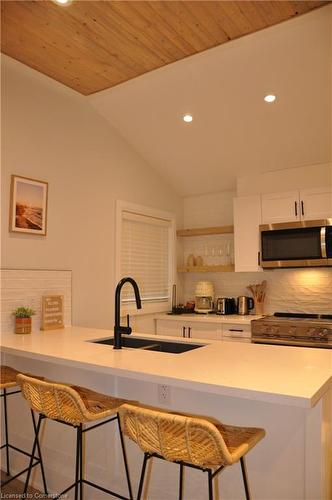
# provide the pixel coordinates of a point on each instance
(189, 329)
(199, 330)
(236, 333)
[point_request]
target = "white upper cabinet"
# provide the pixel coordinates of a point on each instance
(304, 204)
(316, 203)
(247, 218)
(281, 207)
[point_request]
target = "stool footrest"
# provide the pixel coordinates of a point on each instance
(3, 483)
(94, 485)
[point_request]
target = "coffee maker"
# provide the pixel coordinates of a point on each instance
(204, 294)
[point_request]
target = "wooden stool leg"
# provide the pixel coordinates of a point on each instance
(141, 481)
(125, 460)
(210, 480)
(6, 431)
(181, 482)
(245, 479)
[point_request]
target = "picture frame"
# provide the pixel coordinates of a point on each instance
(28, 205)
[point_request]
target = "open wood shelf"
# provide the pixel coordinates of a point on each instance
(205, 231)
(206, 269)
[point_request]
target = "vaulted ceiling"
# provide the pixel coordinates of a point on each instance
(94, 45)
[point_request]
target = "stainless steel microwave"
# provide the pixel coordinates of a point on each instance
(296, 244)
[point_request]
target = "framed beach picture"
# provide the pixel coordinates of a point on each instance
(28, 205)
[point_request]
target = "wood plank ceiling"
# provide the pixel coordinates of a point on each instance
(93, 45)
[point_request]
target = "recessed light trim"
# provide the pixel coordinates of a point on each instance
(187, 118)
(270, 98)
(62, 2)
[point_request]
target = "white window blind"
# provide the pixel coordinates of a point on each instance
(145, 256)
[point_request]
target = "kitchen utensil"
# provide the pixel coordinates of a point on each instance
(174, 297)
(258, 293)
(199, 260)
(204, 294)
(226, 305)
(191, 260)
(244, 304)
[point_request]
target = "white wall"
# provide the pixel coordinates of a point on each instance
(51, 133)
(215, 209)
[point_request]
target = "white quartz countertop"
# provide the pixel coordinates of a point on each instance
(210, 318)
(277, 374)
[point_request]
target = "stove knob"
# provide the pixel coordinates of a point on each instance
(323, 332)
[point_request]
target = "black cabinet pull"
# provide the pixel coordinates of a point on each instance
(259, 258)
(295, 204)
(235, 330)
(189, 332)
(302, 207)
(183, 331)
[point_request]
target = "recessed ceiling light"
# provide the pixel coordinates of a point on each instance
(270, 98)
(62, 2)
(187, 118)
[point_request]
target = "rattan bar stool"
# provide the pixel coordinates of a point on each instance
(8, 381)
(74, 406)
(189, 441)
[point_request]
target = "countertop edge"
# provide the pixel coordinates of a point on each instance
(259, 396)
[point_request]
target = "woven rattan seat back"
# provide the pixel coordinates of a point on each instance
(7, 377)
(54, 400)
(175, 437)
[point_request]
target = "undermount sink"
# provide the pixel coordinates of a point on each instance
(152, 344)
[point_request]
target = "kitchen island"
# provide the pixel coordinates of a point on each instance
(287, 391)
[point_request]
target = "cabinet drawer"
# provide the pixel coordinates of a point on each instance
(236, 331)
(171, 328)
(189, 329)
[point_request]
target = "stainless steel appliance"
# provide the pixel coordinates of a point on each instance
(203, 305)
(226, 305)
(296, 244)
(244, 304)
(204, 294)
(294, 329)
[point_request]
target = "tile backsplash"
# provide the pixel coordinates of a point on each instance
(290, 290)
(25, 287)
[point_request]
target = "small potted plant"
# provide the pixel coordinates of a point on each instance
(23, 319)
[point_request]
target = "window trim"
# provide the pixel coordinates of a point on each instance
(124, 206)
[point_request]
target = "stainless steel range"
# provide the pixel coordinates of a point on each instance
(294, 329)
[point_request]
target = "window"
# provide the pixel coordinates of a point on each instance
(145, 250)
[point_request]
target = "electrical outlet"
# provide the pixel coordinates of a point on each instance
(164, 394)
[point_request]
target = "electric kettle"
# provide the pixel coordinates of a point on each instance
(244, 304)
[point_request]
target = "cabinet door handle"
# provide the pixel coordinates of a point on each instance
(189, 332)
(235, 330)
(259, 258)
(183, 331)
(302, 207)
(295, 207)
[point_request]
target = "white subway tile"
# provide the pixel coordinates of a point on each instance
(26, 288)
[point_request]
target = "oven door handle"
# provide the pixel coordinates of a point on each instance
(323, 242)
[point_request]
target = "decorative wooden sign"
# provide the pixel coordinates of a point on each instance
(52, 312)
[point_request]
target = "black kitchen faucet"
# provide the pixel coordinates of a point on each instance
(118, 329)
